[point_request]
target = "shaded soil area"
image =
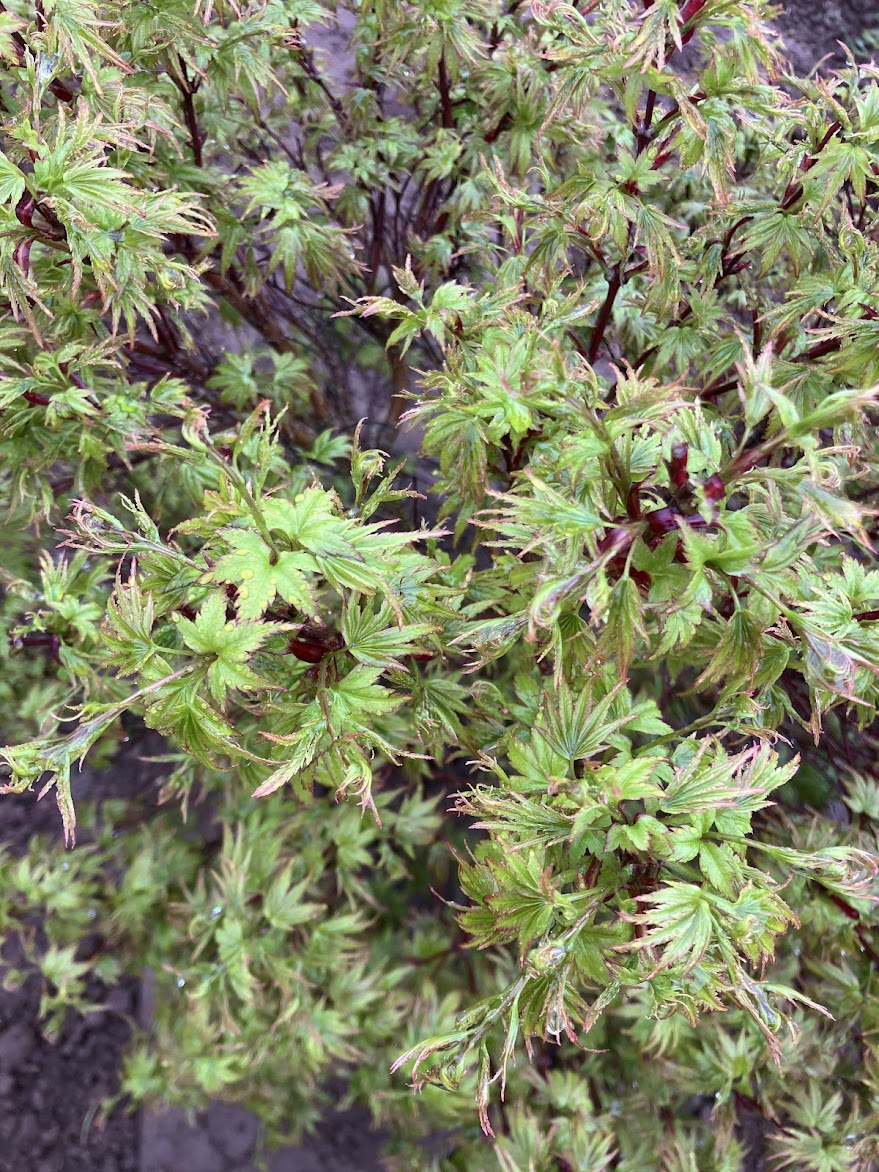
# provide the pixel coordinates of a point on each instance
(812, 29)
(225, 1139)
(49, 1093)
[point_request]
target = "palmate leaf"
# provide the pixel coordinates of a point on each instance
(333, 727)
(532, 823)
(73, 36)
(739, 652)
(230, 645)
(584, 726)
(680, 924)
(373, 639)
(303, 747)
(12, 180)
(29, 762)
(86, 184)
(312, 522)
(260, 575)
(180, 710)
(714, 781)
(131, 617)
(358, 694)
(55, 757)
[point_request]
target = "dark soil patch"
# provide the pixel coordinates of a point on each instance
(225, 1138)
(812, 29)
(49, 1094)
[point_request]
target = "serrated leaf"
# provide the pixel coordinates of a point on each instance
(230, 645)
(259, 580)
(376, 641)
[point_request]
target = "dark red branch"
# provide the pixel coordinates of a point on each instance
(445, 94)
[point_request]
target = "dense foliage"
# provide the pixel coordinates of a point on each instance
(553, 787)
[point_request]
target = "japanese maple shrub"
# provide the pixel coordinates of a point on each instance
(551, 790)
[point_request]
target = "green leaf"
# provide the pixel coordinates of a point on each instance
(679, 923)
(11, 180)
(229, 644)
(372, 639)
(260, 577)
